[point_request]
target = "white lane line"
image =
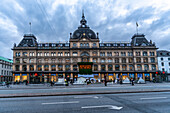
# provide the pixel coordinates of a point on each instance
(103, 106)
(87, 97)
(153, 98)
(71, 102)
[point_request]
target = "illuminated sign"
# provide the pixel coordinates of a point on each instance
(85, 66)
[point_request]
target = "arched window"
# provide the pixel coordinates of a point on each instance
(117, 67)
(102, 60)
(17, 60)
(74, 67)
(139, 67)
(46, 67)
(95, 67)
(67, 67)
(31, 67)
(138, 60)
(110, 67)
(124, 67)
(130, 60)
(109, 60)
(17, 68)
(53, 68)
(116, 60)
(123, 60)
(103, 68)
(94, 53)
(60, 67)
(146, 67)
(131, 67)
(153, 67)
(39, 67)
(85, 54)
(145, 60)
(24, 68)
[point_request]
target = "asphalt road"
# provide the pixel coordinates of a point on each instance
(119, 88)
(156, 102)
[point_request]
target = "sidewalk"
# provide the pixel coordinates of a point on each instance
(34, 90)
(45, 86)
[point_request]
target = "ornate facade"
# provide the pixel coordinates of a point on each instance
(45, 62)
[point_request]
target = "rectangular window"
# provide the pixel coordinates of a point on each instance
(168, 58)
(129, 53)
(144, 53)
(162, 64)
(116, 53)
(123, 53)
(137, 53)
(152, 54)
(109, 53)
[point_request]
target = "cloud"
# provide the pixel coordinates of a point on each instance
(53, 20)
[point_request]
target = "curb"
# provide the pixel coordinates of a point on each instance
(75, 93)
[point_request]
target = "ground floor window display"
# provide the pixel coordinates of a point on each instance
(97, 77)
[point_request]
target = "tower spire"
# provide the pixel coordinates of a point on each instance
(30, 27)
(83, 13)
(83, 20)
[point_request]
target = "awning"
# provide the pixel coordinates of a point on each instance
(86, 76)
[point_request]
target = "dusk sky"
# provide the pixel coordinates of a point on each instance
(53, 20)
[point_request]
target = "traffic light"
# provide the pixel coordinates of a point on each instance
(156, 72)
(163, 72)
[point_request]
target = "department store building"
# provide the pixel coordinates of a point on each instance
(84, 56)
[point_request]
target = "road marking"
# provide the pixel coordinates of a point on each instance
(152, 98)
(71, 102)
(87, 97)
(103, 106)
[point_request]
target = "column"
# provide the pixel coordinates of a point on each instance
(142, 67)
(64, 75)
(114, 76)
(56, 67)
(143, 76)
(100, 77)
(28, 78)
(20, 76)
(35, 67)
(27, 68)
(150, 76)
(136, 76)
(50, 77)
(49, 67)
(72, 75)
(42, 67)
(106, 67)
(56, 77)
(71, 67)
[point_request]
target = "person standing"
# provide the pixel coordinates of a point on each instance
(132, 81)
(105, 81)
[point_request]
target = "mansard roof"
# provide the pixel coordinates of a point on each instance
(140, 40)
(29, 40)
